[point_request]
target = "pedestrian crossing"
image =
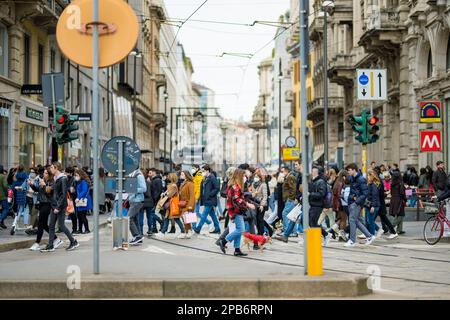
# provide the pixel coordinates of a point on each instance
(155, 249)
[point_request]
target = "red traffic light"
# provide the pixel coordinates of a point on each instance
(373, 120)
(62, 119)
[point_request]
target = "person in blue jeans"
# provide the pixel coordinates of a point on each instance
(373, 201)
(208, 197)
(289, 193)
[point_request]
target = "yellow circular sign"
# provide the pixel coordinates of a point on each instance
(118, 32)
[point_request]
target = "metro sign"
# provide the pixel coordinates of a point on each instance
(430, 141)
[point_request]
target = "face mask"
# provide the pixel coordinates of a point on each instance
(77, 178)
(256, 180)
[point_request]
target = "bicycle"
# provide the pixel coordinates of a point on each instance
(434, 226)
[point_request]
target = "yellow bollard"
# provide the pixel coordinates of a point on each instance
(314, 251)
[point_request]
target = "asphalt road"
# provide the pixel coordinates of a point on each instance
(407, 267)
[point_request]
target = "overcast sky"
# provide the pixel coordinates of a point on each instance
(234, 79)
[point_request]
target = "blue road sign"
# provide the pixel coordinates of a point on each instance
(363, 79)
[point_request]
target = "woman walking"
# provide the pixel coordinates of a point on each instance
(260, 193)
(187, 200)
(45, 194)
(174, 213)
(236, 208)
(83, 202)
(373, 204)
(398, 202)
(337, 205)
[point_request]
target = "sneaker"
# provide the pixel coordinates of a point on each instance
(160, 235)
(136, 241)
(57, 243)
(239, 253)
(35, 247)
(361, 236)
(401, 232)
(327, 240)
(380, 232)
(393, 236)
(282, 238)
(343, 235)
(196, 230)
(349, 243)
(215, 232)
(48, 248)
(370, 240)
(181, 236)
(189, 234)
(73, 246)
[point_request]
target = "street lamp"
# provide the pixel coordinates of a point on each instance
(327, 8)
(280, 78)
(166, 96)
(136, 54)
(223, 126)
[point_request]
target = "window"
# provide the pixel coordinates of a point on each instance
(430, 65)
(341, 132)
(62, 65)
(448, 54)
(26, 58)
(40, 62)
(3, 51)
(52, 60)
(72, 96)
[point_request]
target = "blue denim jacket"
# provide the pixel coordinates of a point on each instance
(141, 189)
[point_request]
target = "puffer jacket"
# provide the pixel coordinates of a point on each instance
(358, 190)
(209, 190)
(317, 192)
(198, 178)
(373, 197)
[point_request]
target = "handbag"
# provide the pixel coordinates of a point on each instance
(174, 206)
(161, 202)
(295, 213)
(70, 208)
(189, 217)
(81, 202)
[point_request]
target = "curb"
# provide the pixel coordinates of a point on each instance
(25, 244)
(143, 289)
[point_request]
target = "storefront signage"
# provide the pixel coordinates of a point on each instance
(31, 89)
(430, 111)
(430, 141)
(35, 114)
(290, 154)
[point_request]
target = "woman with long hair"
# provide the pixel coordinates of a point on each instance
(398, 201)
(237, 206)
(45, 194)
(341, 216)
(260, 193)
(187, 200)
(172, 213)
(373, 204)
(83, 202)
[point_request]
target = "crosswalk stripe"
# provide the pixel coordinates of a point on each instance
(155, 249)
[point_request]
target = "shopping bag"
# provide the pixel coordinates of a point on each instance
(161, 202)
(174, 209)
(189, 217)
(70, 208)
(295, 213)
(408, 192)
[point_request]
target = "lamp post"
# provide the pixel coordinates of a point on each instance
(224, 146)
(327, 7)
(280, 77)
(136, 54)
(166, 96)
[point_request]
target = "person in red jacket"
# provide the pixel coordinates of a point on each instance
(236, 206)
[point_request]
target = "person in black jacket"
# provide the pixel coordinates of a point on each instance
(208, 197)
(71, 184)
(59, 206)
(156, 189)
(439, 178)
(317, 194)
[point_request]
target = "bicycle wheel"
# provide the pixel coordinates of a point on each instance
(432, 230)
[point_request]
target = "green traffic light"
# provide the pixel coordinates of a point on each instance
(359, 125)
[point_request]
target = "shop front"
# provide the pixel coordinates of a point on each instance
(33, 126)
(6, 114)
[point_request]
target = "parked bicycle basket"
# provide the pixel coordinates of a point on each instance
(431, 208)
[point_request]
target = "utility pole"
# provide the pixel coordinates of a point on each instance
(166, 96)
(325, 87)
(134, 99)
(280, 77)
(304, 60)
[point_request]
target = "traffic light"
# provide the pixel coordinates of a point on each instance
(359, 125)
(65, 127)
(373, 129)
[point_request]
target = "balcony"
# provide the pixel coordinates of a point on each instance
(43, 13)
(160, 80)
(292, 42)
(315, 108)
(316, 28)
(383, 32)
(341, 69)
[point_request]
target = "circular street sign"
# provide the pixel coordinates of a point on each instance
(291, 142)
(131, 155)
(118, 32)
(363, 79)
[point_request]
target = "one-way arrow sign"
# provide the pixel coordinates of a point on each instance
(368, 87)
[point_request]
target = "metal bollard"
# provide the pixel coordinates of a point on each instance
(314, 251)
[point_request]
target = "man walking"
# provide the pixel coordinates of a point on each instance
(58, 211)
(209, 190)
(356, 200)
(439, 179)
(136, 201)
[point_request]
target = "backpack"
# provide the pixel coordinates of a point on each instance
(223, 189)
(328, 201)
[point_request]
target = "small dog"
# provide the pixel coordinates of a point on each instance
(261, 241)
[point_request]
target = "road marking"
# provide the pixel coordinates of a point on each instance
(155, 249)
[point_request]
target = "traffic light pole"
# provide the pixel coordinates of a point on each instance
(364, 159)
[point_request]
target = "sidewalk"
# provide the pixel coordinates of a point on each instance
(21, 240)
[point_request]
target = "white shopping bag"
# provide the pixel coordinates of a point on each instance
(189, 217)
(295, 213)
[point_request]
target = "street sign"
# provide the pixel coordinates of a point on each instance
(430, 141)
(56, 89)
(291, 142)
(81, 116)
(31, 89)
(290, 154)
(430, 111)
(129, 185)
(131, 154)
(118, 32)
(372, 84)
